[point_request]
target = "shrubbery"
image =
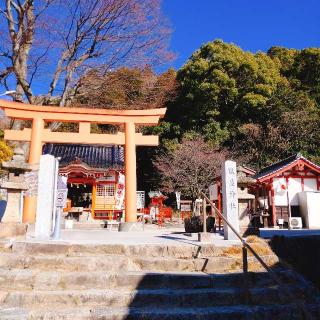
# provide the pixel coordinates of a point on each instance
(5, 152)
(195, 224)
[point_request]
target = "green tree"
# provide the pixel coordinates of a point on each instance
(301, 67)
(284, 57)
(221, 86)
(262, 107)
(307, 70)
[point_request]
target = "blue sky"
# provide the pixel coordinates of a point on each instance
(252, 24)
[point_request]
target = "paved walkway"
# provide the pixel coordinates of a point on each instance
(151, 235)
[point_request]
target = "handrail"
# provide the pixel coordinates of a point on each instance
(273, 275)
(237, 234)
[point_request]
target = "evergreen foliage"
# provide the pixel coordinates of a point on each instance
(261, 107)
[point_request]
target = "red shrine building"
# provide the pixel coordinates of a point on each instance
(284, 194)
(95, 178)
(281, 187)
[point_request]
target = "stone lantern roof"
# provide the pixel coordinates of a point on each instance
(17, 163)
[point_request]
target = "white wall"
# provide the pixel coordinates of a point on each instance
(294, 187)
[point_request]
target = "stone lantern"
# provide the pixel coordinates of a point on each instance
(245, 199)
(11, 223)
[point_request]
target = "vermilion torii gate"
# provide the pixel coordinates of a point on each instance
(38, 135)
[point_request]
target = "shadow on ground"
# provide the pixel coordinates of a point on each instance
(302, 253)
(254, 295)
(222, 296)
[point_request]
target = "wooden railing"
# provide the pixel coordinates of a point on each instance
(245, 247)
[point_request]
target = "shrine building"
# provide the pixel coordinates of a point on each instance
(93, 174)
(280, 188)
(285, 194)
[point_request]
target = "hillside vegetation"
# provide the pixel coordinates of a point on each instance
(261, 107)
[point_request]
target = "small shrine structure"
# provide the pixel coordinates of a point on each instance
(37, 135)
(157, 209)
(278, 187)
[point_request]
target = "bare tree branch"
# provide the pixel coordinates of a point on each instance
(82, 34)
(189, 167)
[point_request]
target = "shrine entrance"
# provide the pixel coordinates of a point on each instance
(38, 135)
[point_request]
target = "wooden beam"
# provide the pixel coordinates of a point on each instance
(24, 111)
(93, 118)
(17, 135)
(78, 137)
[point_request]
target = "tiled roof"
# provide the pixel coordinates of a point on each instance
(94, 156)
(278, 166)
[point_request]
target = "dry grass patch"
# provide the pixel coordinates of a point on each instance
(259, 245)
(232, 251)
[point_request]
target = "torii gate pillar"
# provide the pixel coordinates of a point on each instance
(35, 150)
(130, 173)
(36, 141)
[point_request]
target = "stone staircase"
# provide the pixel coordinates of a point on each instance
(80, 282)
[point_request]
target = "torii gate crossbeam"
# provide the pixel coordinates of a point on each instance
(38, 135)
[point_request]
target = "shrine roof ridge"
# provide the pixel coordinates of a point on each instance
(279, 166)
(95, 156)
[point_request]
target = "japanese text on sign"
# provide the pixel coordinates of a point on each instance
(230, 198)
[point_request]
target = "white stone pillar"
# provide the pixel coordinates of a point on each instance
(45, 202)
(230, 199)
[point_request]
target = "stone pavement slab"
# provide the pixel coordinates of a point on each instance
(151, 235)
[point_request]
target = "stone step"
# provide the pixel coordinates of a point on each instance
(238, 312)
(6, 245)
(137, 250)
(26, 279)
(113, 263)
(170, 298)
(62, 263)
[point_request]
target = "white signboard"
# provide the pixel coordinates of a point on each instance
(62, 192)
(61, 198)
(119, 196)
(230, 199)
(178, 195)
(140, 199)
